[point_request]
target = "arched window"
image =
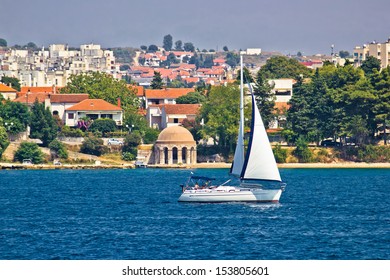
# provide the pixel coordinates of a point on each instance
(174, 155)
(184, 155)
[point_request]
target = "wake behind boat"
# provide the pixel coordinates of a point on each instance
(256, 166)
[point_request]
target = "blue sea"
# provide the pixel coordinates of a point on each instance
(324, 214)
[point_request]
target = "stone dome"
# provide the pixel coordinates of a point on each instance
(175, 134)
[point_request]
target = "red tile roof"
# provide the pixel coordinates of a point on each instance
(68, 98)
(139, 90)
(282, 106)
(181, 109)
(38, 89)
(31, 97)
(167, 93)
(5, 88)
(94, 105)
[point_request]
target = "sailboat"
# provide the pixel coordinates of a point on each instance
(254, 168)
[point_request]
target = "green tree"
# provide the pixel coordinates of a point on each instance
(151, 135)
(3, 42)
(157, 82)
(189, 47)
(343, 54)
(225, 49)
(265, 99)
(221, 116)
(31, 46)
(191, 98)
(232, 59)
(130, 145)
(103, 86)
(279, 67)
(103, 125)
(302, 151)
(179, 45)
(4, 142)
(247, 76)
(167, 42)
(29, 150)
(370, 65)
(43, 126)
(93, 145)
(143, 47)
(58, 149)
(152, 48)
(280, 154)
(16, 113)
(15, 83)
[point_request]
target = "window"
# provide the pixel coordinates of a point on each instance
(175, 120)
(71, 116)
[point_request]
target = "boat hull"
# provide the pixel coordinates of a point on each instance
(232, 195)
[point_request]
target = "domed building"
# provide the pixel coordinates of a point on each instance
(175, 145)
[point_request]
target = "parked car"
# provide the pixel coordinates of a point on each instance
(330, 143)
(27, 161)
(113, 141)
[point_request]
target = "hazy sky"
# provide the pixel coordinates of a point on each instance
(288, 26)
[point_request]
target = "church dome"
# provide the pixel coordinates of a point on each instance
(175, 134)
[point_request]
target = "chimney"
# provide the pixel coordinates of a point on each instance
(119, 102)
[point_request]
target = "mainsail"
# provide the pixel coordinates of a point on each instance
(259, 161)
(238, 161)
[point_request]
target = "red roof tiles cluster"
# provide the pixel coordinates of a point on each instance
(94, 105)
(166, 93)
(5, 88)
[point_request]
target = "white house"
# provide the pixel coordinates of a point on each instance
(93, 109)
(166, 115)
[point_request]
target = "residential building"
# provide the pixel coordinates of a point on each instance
(380, 51)
(164, 96)
(282, 88)
(93, 109)
(55, 65)
(7, 92)
(59, 103)
(166, 115)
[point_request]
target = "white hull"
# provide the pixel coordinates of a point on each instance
(231, 194)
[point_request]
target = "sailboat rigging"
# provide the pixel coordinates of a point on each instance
(257, 165)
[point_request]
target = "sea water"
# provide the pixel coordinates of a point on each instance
(134, 214)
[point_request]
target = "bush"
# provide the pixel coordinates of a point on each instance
(4, 142)
(128, 156)
(58, 149)
(103, 125)
(29, 150)
(93, 146)
(151, 135)
(132, 140)
(66, 131)
(302, 151)
(280, 154)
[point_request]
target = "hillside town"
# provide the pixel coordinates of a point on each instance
(43, 77)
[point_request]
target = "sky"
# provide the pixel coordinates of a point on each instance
(288, 26)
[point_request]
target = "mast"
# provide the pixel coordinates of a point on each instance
(242, 120)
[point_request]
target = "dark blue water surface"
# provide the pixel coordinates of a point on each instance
(134, 214)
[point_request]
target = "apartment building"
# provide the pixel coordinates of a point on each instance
(380, 51)
(53, 66)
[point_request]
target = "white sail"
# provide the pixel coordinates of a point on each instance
(259, 162)
(239, 157)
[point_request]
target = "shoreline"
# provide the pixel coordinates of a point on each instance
(15, 166)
